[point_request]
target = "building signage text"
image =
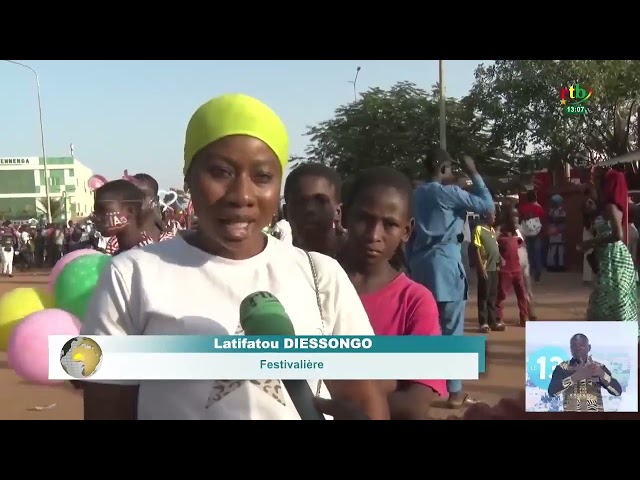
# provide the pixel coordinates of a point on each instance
(19, 161)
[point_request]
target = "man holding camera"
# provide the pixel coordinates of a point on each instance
(434, 252)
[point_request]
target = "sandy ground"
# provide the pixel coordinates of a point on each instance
(559, 297)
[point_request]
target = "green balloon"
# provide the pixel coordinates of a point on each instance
(77, 281)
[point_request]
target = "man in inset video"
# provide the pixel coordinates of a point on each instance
(580, 380)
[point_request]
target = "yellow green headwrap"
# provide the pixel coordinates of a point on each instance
(235, 114)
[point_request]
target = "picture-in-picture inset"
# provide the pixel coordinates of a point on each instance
(582, 366)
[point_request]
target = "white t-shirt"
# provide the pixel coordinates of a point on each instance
(523, 256)
(466, 230)
(285, 231)
(130, 299)
(102, 241)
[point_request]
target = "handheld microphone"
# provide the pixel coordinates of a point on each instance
(261, 313)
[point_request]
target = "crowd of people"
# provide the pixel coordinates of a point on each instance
(113, 227)
(40, 245)
(372, 255)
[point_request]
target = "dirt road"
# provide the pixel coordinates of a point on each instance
(559, 297)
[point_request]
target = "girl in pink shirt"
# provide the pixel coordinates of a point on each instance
(377, 214)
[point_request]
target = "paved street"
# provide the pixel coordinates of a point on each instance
(559, 297)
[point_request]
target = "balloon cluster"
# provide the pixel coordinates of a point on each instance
(29, 315)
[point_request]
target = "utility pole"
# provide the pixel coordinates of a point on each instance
(443, 111)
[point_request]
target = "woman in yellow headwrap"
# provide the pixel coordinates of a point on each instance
(236, 150)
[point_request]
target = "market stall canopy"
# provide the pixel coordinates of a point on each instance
(631, 157)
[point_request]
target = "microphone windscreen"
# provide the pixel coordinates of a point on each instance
(261, 313)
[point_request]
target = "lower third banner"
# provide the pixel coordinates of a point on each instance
(185, 357)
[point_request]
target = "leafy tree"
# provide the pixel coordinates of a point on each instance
(396, 128)
(520, 99)
(296, 160)
(57, 208)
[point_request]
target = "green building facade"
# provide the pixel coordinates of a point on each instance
(23, 194)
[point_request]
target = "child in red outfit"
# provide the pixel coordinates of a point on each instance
(510, 274)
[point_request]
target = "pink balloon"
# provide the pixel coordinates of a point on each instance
(60, 264)
(28, 351)
(96, 181)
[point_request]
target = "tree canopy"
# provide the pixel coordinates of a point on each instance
(397, 127)
(521, 100)
(511, 121)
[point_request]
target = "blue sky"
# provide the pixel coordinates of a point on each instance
(132, 114)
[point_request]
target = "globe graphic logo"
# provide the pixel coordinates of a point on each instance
(81, 357)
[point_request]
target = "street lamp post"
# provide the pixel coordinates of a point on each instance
(443, 113)
(44, 154)
(355, 84)
(64, 208)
